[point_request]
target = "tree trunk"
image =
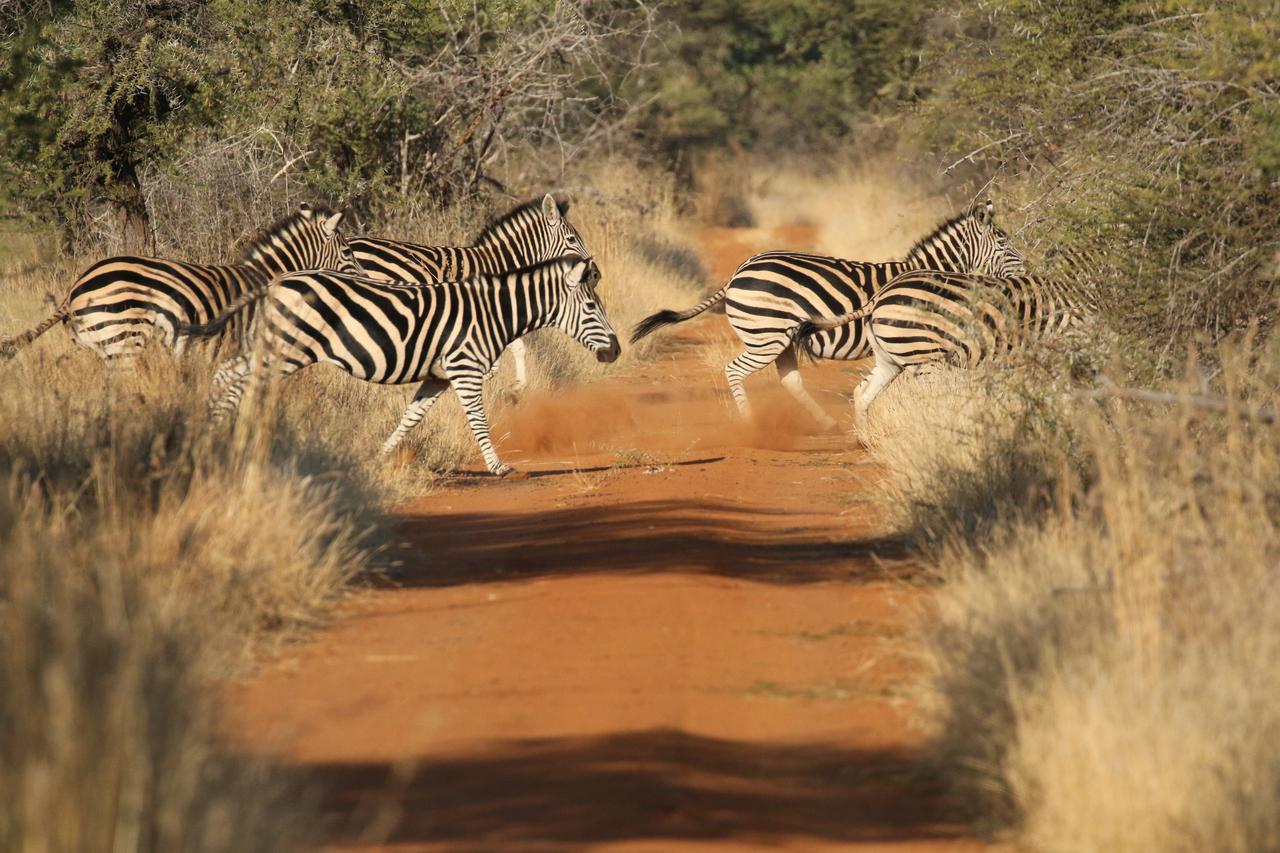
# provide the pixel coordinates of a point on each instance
(130, 205)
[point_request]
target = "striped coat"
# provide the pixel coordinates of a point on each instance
(447, 335)
(770, 294)
(533, 233)
(929, 317)
(118, 305)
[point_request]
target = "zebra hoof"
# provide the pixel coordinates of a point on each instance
(501, 470)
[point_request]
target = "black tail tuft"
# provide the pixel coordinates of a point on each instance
(653, 322)
(807, 329)
(204, 330)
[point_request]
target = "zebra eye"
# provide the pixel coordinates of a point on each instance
(591, 305)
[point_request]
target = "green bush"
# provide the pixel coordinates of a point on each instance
(1144, 133)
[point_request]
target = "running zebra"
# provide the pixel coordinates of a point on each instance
(923, 318)
(447, 335)
(119, 304)
(532, 233)
(773, 292)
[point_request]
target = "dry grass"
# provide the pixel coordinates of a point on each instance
(107, 738)
(872, 211)
(136, 569)
(1104, 650)
(136, 563)
(628, 220)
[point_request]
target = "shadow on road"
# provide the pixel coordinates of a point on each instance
(657, 785)
(648, 536)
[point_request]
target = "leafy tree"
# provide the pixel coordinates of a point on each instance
(778, 74)
(1146, 132)
(359, 103)
(92, 95)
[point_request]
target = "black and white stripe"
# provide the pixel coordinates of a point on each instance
(533, 233)
(772, 293)
(446, 335)
(120, 304)
(928, 317)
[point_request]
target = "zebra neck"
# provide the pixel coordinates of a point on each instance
(485, 259)
(936, 257)
(497, 255)
(264, 262)
(519, 304)
(950, 250)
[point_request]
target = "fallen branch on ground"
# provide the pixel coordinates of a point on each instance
(1210, 402)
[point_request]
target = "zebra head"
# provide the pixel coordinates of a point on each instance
(306, 240)
(534, 233)
(969, 243)
(581, 315)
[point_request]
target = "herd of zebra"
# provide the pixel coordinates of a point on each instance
(393, 312)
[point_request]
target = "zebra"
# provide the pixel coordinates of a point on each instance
(771, 293)
(119, 304)
(929, 317)
(531, 233)
(446, 335)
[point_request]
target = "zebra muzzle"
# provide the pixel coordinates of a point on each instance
(611, 353)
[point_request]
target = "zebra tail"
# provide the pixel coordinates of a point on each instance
(653, 322)
(218, 324)
(808, 328)
(9, 346)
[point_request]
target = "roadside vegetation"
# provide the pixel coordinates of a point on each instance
(1102, 657)
(1103, 645)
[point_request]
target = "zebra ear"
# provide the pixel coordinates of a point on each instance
(989, 213)
(550, 210)
(330, 225)
(305, 210)
(563, 206)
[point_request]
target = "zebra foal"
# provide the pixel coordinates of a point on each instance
(770, 294)
(447, 335)
(924, 318)
(119, 304)
(532, 233)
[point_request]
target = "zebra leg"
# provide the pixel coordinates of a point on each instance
(425, 397)
(231, 380)
(470, 390)
(518, 352)
(789, 373)
(881, 376)
(743, 366)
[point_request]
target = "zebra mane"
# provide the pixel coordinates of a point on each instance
(943, 228)
(533, 205)
(284, 225)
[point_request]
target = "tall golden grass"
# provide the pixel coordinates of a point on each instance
(137, 567)
(147, 554)
(1104, 645)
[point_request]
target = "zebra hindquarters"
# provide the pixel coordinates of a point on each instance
(115, 333)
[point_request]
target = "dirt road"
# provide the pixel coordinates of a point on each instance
(679, 633)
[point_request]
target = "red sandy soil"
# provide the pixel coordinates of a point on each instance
(678, 633)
